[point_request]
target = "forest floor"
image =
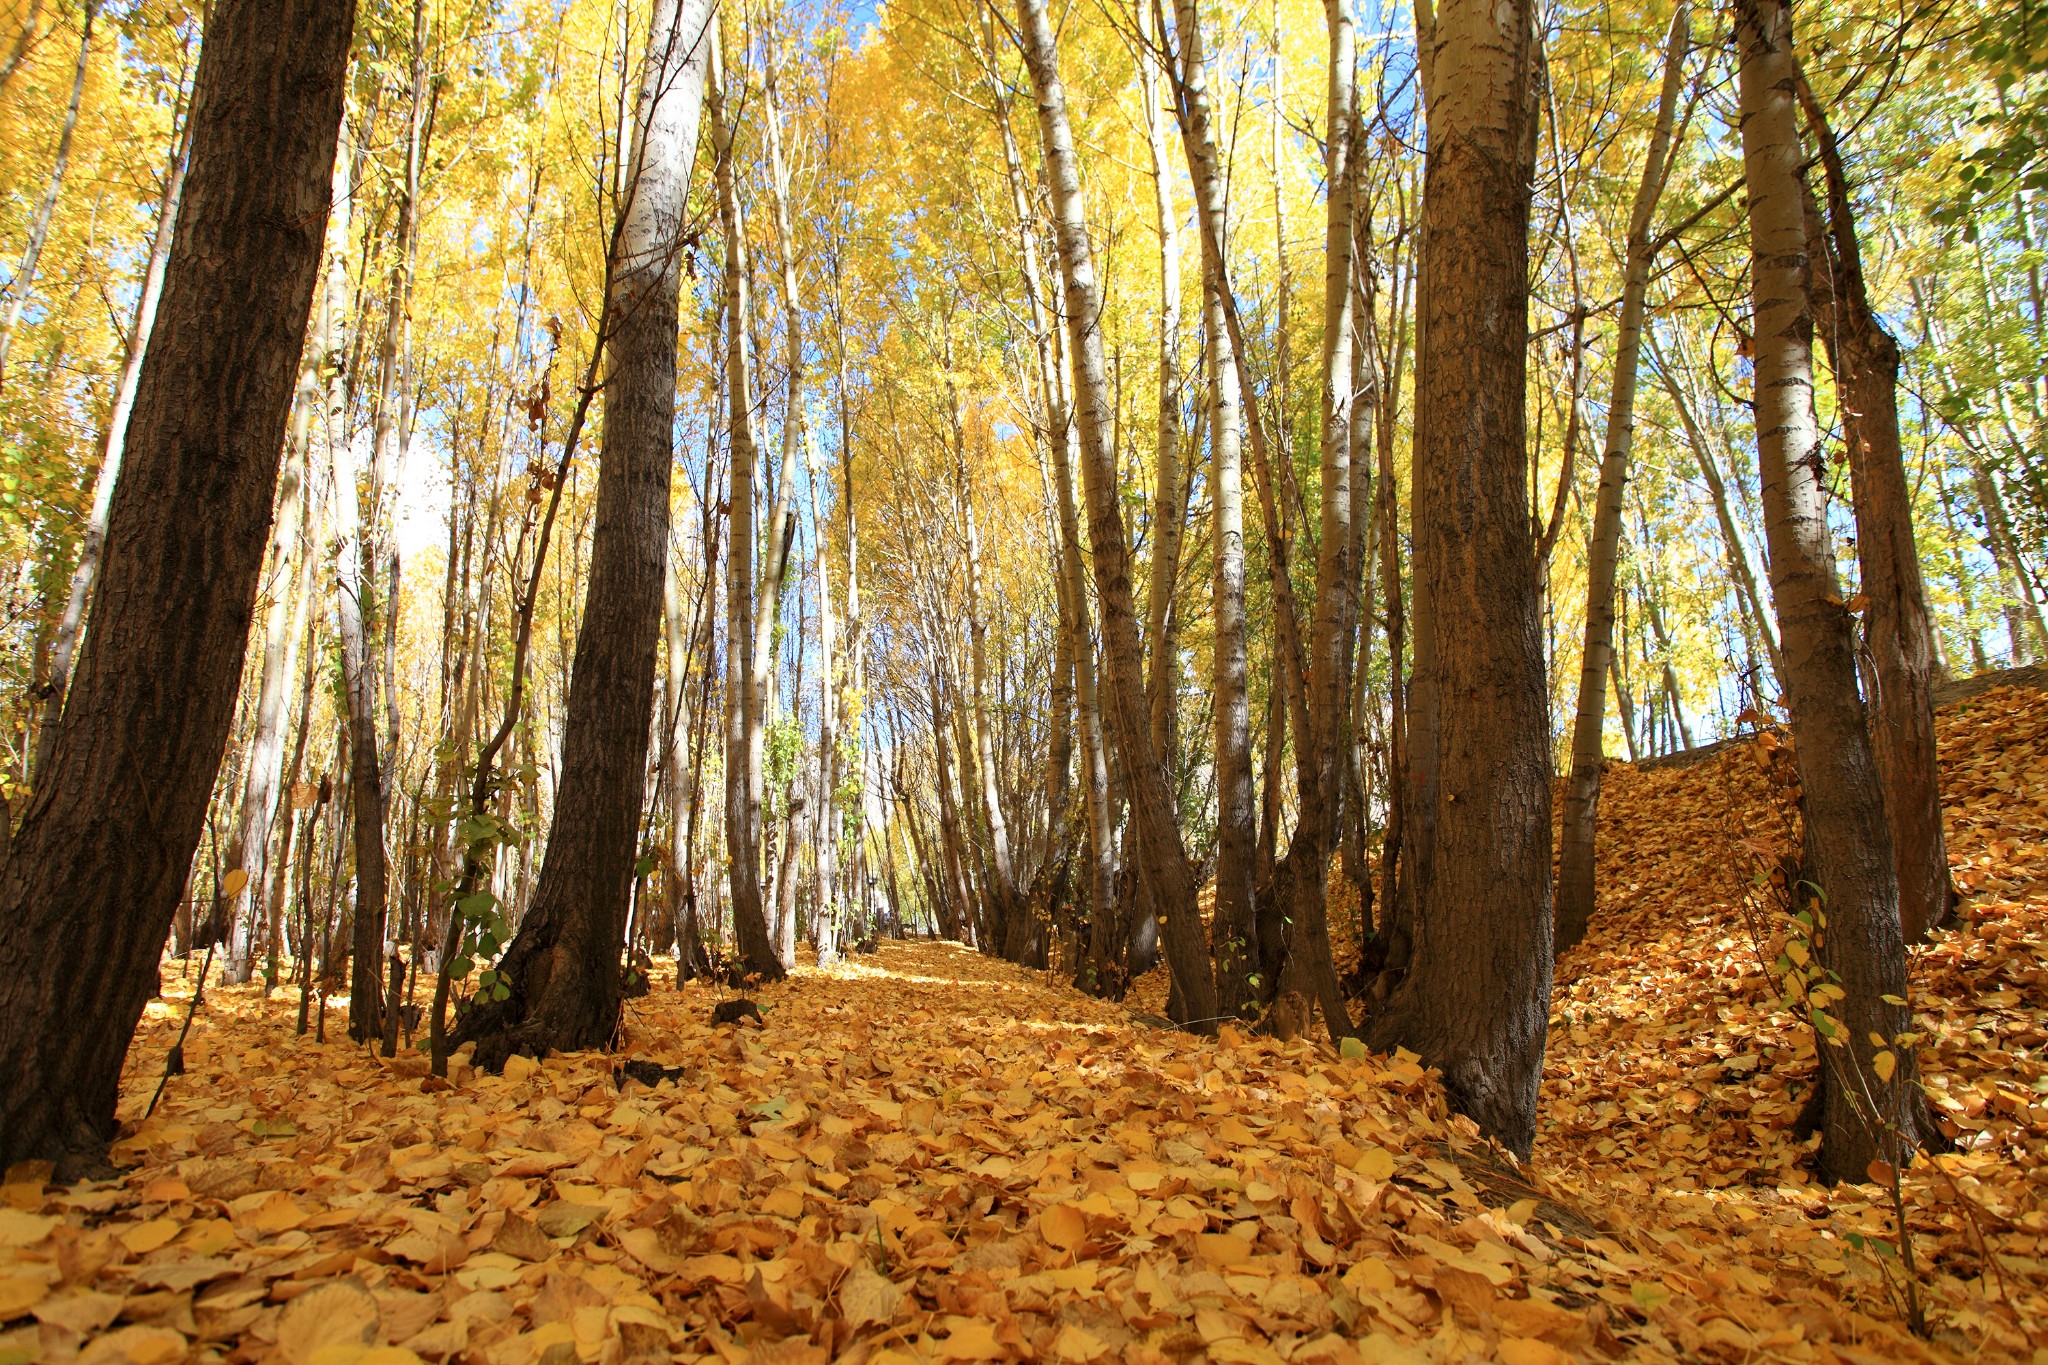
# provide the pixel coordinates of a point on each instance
(927, 1155)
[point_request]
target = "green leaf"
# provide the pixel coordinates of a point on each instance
(1351, 1047)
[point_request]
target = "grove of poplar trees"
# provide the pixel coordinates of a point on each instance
(496, 493)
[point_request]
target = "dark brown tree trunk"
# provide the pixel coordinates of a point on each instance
(1897, 626)
(100, 861)
(563, 965)
(1476, 996)
(1848, 842)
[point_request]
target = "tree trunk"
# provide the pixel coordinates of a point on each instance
(1749, 596)
(69, 625)
(1234, 939)
(24, 281)
(1075, 681)
(562, 968)
(1326, 683)
(1476, 996)
(1582, 789)
(355, 614)
(1162, 679)
(101, 857)
(743, 699)
(1848, 841)
(284, 623)
(1168, 874)
(1897, 626)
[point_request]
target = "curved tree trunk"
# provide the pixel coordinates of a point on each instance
(1582, 789)
(1477, 991)
(1897, 625)
(101, 857)
(563, 965)
(1848, 841)
(1168, 874)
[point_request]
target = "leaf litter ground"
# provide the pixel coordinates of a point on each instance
(929, 1156)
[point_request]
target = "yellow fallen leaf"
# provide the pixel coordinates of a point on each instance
(142, 1238)
(19, 1293)
(1222, 1249)
(1529, 1351)
(1063, 1226)
(339, 1313)
(865, 1297)
(1371, 1274)
(1374, 1163)
(1075, 1344)
(18, 1229)
(141, 1345)
(970, 1339)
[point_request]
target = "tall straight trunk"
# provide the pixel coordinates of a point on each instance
(279, 869)
(743, 699)
(562, 967)
(1162, 680)
(1848, 842)
(1076, 634)
(24, 280)
(688, 796)
(1168, 875)
(825, 823)
(354, 612)
(1897, 625)
(1603, 555)
(68, 626)
(1319, 763)
(101, 857)
(354, 597)
(1476, 996)
(1011, 910)
(1104, 911)
(283, 624)
(1234, 935)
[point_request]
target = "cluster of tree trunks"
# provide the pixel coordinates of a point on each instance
(227, 340)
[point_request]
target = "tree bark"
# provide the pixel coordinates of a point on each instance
(743, 699)
(1848, 841)
(1162, 679)
(1476, 996)
(1167, 871)
(283, 625)
(1234, 939)
(562, 967)
(1326, 682)
(1897, 625)
(101, 857)
(1603, 556)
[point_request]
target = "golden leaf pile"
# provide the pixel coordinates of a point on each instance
(944, 1158)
